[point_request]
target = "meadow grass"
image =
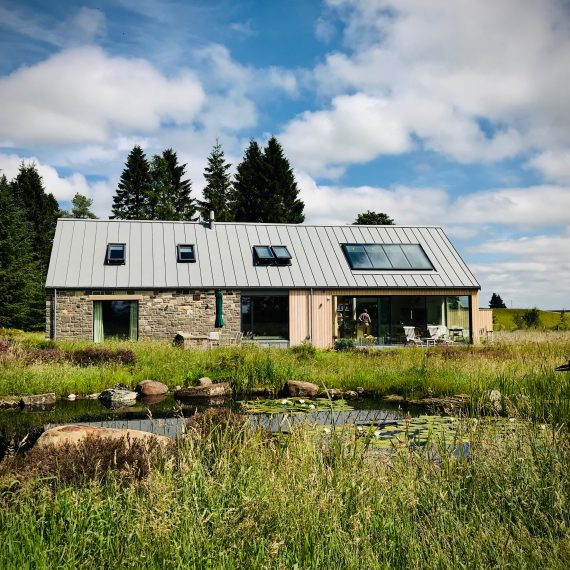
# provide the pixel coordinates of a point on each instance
(521, 368)
(233, 497)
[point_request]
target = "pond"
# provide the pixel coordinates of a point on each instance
(19, 428)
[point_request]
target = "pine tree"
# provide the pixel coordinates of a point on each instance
(217, 192)
(22, 297)
(370, 218)
(170, 197)
(40, 209)
(282, 193)
(132, 195)
(265, 189)
(496, 302)
(249, 195)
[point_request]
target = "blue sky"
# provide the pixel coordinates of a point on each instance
(436, 112)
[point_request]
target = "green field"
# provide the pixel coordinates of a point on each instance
(506, 319)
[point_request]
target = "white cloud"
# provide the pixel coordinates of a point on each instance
(82, 95)
(554, 165)
(324, 30)
(475, 81)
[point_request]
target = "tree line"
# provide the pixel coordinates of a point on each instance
(263, 189)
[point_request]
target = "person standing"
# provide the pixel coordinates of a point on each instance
(365, 321)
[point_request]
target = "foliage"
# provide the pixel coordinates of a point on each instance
(496, 302)
(81, 208)
(511, 319)
(22, 297)
(265, 189)
(132, 195)
(218, 189)
(305, 350)
(530, 318)
(370, 218)
(101, 356)
(169, 197)
(344, 344)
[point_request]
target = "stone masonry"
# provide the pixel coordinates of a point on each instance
(161, 314)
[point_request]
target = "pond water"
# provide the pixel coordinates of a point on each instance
(19, 428)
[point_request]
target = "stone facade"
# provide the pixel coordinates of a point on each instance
(161, 313)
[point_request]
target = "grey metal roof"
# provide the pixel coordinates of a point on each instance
(224, 256)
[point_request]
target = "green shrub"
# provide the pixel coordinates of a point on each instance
(344, 344)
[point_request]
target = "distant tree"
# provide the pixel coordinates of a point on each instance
(249, 194)
(370, 218)
(283, 202)
(496, 302)
(218, 189)
(81, 208)
(531, 318)
(563, 321)
(170, 195)
(131, 200)
(40, 209)
(22, 297)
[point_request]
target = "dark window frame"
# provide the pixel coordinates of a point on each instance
(372, 267)
(179, 252)
(273, 259)
(111, 261)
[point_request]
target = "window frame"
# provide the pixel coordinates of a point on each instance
(282, 259)
(179, 247)
(111, 261)
(372, 267)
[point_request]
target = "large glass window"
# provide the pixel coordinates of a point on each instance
(115, 320)
(386, 256)
(265, 316)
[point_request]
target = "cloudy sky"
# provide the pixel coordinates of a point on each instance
(444, 112)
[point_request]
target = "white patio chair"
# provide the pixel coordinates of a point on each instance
(214, 339)
(411, 337)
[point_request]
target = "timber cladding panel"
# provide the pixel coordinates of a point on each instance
(161, 313)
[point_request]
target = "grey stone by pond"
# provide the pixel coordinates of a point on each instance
(117, 396)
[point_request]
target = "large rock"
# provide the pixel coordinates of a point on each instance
(298, 388)
(38, 400)
(73, 434)
(493, 401)
(9, 402)
(117, 396)
(205, 381)
(221, 390)
(151, 388)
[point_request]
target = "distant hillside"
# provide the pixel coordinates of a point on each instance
(506, 319)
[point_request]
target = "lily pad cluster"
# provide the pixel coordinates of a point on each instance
(294, 405)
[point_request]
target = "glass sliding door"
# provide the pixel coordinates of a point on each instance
(265, 316)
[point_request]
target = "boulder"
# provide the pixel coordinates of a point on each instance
(38, 400)
(117, 396)
(9, 402)
(221, 390)
(493, 401)
(151, 388)
(93, 396)
(332, 393)
(298, 388)
(72, 397)
(72, 434)
(205, 381)
(351, 395)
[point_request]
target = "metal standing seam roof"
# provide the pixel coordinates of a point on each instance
(224, 256)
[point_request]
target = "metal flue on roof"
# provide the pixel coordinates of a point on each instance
(224, 256)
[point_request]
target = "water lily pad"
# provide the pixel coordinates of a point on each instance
(294, 405)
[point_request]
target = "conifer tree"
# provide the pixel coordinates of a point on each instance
(217, 192)
(40, 209)
(22, 297)
(131, 198)
(282, 193)
(496, 302)
(170, 197)
(370, 218)
(249, 197)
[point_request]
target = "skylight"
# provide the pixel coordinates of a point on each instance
(115, 254)
(185, 253)
(374, 256)
(271, 255)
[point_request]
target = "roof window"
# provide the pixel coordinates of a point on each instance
(185, 253)
(115, 254)
(271, 255)
(363, 256)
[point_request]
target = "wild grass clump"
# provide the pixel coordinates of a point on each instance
(102, 356)
(91, 460)
(306, 502)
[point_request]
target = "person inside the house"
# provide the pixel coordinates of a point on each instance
(365, 322)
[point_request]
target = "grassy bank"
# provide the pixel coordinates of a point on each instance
(509, 319)
(234, 499)
(523, 367)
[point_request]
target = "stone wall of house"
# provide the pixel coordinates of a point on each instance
(74, 319)
(161, 314)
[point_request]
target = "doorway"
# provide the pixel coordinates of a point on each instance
(116, 320)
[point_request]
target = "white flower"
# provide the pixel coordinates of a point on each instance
(359, 428)
(301, 401)
(326, 430)
(377, 433)
(284, 402)
(512, 419)
(312, 406)
(542, 426)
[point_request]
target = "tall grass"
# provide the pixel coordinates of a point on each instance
(233, 498)
(525, 367)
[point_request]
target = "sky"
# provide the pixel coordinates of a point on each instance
(440, 112)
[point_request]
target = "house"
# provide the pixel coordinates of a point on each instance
(279, 283)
